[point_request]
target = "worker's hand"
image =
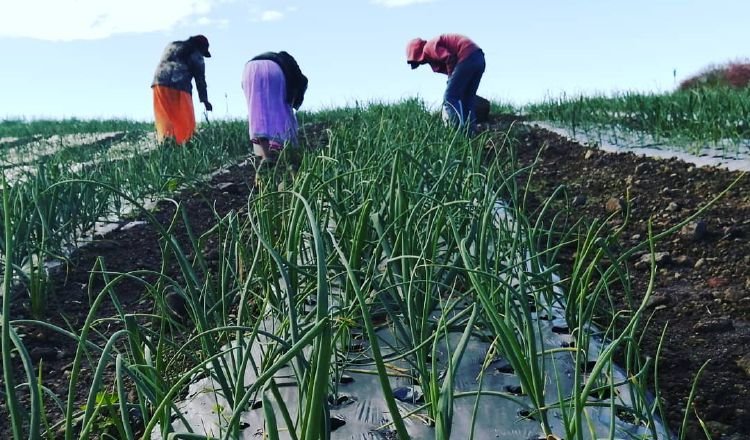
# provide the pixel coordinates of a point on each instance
(208, 105)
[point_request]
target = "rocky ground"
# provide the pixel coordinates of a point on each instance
(703, 280)
(702, 292)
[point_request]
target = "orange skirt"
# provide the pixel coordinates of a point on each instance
(174, 114)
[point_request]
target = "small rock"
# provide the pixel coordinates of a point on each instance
(660, 258)
(225, 186)
(578, 201)
(714, 324)
(636, 237)
(700, 263)
(696, 230)
(744, 363)
(672, 207)
(670, 191)
(346, 379)
(714, 282)
(589, 154)
(734, 294)
(614, 204)
(683, 260)
(641, 167)
(658, 300)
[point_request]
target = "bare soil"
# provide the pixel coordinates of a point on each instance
(702, 292)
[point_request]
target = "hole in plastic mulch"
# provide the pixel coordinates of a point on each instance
(528, 415)
(514, 389)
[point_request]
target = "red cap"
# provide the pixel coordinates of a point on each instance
(415, 52)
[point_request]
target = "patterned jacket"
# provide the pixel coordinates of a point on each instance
(179, 64)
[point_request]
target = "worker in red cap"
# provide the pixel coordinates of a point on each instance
(181, 62)
(463, 61)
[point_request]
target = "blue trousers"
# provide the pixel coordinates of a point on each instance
(461, 92)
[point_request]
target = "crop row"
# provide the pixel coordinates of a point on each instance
(693, 118)
(54, 201)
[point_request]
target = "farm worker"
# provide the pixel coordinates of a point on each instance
(274, 87)
(463, 61)
(181, 62)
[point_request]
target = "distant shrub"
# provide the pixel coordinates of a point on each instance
(735, 74)
(738, 75)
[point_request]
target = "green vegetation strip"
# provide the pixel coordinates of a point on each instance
(693, 119)
(34, 128)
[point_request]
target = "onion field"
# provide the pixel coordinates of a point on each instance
(391, 280)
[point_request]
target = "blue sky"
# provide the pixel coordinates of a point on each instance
(95, 58)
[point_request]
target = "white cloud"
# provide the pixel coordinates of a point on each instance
(65, 20)
(399, 3)
(271, 15)
(222, 23)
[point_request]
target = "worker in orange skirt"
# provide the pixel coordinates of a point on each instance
(181, 62)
